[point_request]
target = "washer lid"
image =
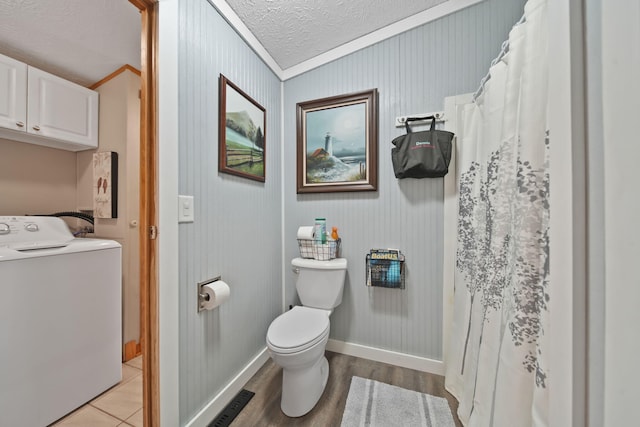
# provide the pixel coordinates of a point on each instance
(297, 327)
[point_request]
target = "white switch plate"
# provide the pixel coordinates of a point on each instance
(185, 209)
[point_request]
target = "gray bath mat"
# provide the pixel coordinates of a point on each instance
(375, 404)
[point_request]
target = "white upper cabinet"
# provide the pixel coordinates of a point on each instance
(62, 110)
(13, 93)
(40, 108)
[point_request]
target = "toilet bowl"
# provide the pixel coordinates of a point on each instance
(296, 339)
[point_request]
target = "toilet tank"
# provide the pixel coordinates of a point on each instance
(320, 283)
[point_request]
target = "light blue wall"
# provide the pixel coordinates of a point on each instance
(413, 73)
(596, 216)
(237, 232)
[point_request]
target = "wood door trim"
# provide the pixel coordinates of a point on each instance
(115, 74)
(149, 319)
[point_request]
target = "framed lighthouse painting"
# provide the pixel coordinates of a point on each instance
(337, 143)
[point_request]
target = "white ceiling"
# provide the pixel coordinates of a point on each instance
(80, 40)
(86, 40)
(293, 31)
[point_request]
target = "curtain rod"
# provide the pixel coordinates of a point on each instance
(504, 49)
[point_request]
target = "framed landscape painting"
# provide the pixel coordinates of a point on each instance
(242, 133)
(337, 143)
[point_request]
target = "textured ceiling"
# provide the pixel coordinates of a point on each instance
(86, 40)
(80, 40)
(293, 31)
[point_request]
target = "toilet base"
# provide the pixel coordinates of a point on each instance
(312, 381)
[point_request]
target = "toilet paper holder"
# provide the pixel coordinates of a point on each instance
(202, 296)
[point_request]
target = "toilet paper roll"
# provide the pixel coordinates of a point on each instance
(306, 232)
(218, 293)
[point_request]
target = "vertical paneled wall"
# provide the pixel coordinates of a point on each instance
(413, 73)
(237, 231)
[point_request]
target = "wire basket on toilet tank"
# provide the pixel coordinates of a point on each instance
(315, 249)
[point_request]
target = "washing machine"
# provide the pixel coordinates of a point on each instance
(60, 319)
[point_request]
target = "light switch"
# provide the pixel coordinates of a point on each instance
(185, 209)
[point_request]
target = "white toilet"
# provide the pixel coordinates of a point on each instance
(296, 339)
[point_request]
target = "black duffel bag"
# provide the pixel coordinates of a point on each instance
(424, 154)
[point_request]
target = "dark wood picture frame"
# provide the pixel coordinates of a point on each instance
(337, 143)
(241, 141)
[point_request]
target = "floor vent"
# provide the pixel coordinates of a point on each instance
(231, 411)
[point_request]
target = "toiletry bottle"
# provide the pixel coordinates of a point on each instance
(321, 230)
(334, 233)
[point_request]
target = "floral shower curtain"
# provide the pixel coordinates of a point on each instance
(496, 365)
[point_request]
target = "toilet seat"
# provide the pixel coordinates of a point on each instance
(298, 329)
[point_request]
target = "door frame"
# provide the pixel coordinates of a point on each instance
(149, 319)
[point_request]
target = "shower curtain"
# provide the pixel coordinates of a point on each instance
(497, 362)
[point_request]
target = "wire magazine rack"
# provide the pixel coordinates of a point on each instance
(385, 268)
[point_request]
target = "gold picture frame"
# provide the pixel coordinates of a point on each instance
(337, 143)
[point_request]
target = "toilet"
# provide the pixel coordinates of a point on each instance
(296, 339)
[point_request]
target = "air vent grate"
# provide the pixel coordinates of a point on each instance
(231, 411)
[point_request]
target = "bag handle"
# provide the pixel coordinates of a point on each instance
(415, 119)
(431, 128)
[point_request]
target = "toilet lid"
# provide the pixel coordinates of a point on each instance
(297, 327)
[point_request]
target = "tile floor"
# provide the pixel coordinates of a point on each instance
(121, 405)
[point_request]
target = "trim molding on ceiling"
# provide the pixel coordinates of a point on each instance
(372, 38)
(234, 20)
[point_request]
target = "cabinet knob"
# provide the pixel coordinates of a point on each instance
(36, 127)
(20, 124)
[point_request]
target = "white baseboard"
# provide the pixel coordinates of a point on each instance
(217, 404)
(386, 356)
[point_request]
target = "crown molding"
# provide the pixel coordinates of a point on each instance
(243, 31)
(436, 12)
(377, 36)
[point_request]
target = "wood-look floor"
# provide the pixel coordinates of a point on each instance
(264, 407)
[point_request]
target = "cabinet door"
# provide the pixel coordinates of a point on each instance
(60, 109)
(13, 93)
